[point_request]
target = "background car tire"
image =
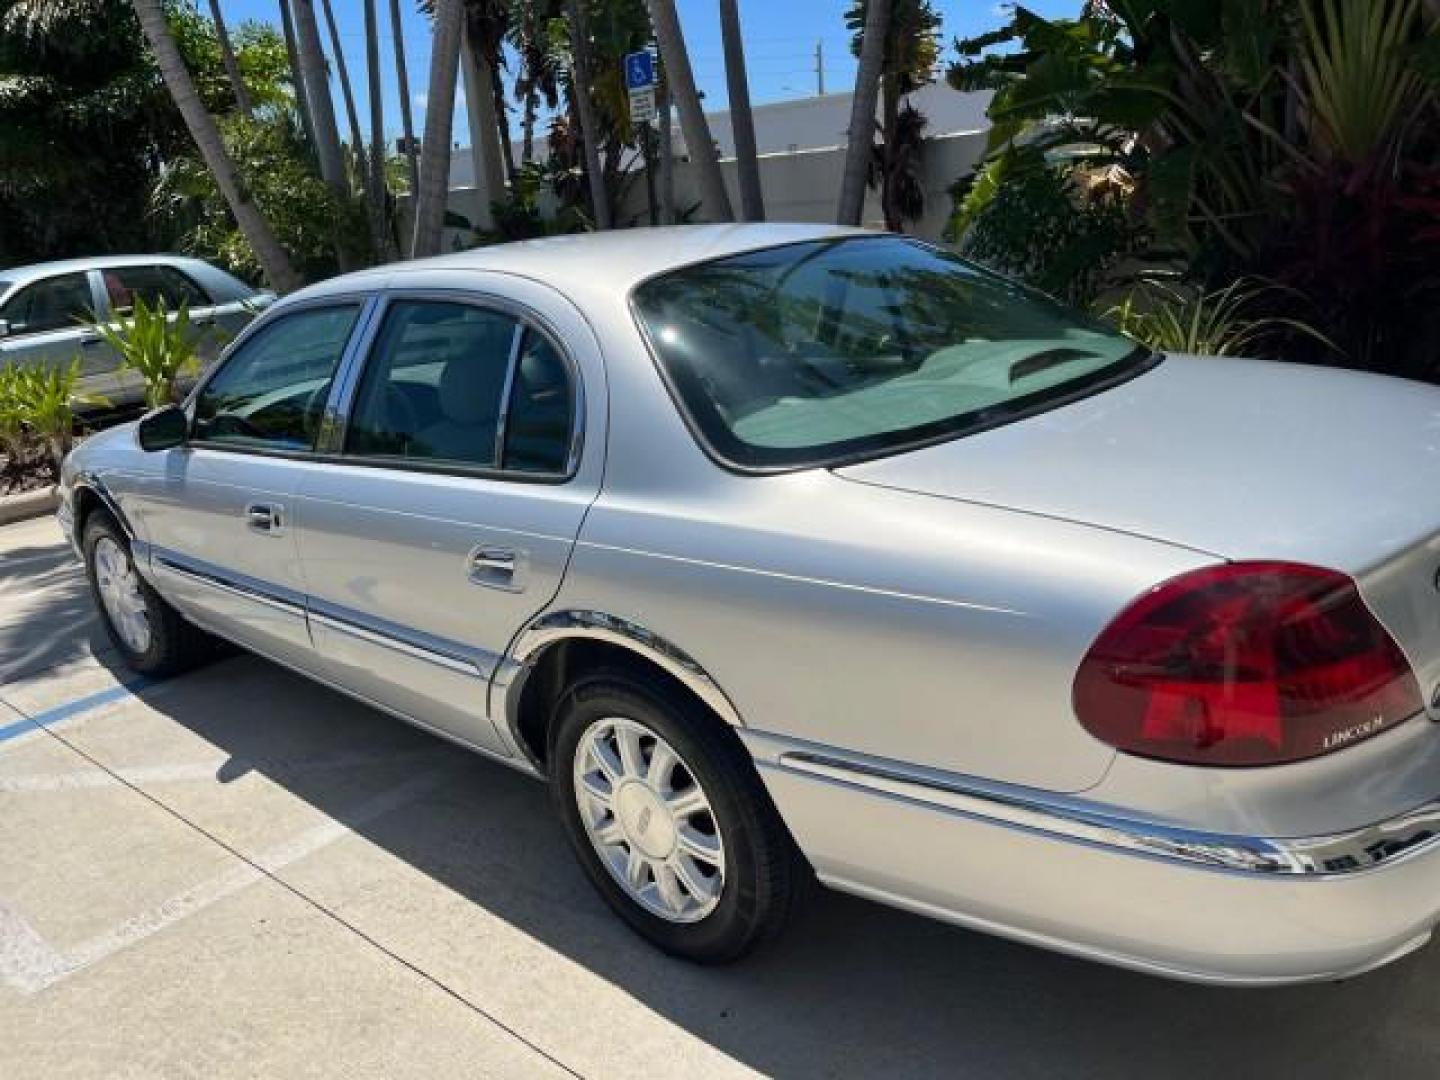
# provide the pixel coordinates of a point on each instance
(171, 644)
(764, 874)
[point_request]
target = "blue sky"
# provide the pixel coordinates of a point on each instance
(780, 39)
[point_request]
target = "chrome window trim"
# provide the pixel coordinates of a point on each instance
(526, 318)
(1317, 858)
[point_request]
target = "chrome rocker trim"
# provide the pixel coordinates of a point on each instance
(1382, 844)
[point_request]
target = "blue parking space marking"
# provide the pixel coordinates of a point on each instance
(73, 708)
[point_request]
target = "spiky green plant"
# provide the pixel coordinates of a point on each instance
(45, 398)
(12, 414)
(155, 344)
(1215, 323)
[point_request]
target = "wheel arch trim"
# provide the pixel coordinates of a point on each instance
(546, 631)
(90, 482)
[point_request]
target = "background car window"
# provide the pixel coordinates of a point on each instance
(56, 303)
(271, 392)
(433, 387)
(537, 427)
(151, 283)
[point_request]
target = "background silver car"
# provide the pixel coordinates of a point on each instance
(787, 548)
(45, 309)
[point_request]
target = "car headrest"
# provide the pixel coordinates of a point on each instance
(470, 387)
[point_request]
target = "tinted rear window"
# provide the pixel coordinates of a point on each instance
(808, 354)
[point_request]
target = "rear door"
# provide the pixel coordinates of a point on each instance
(47, 327)
(218, 514)
(121, 286)
(445, 517)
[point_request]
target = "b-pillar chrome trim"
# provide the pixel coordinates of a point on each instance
(1307, 858)
(559, 626)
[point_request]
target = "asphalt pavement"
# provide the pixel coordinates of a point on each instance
(239, 873)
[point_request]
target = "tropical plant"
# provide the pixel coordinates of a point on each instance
(1215, 323)
(1290, 141)
(1046, 228)
(698, 140)
(402, 78)
(861, 135)
(434, 187)
(155, 343)
(84, 118)
(43, 398)
(232, 62)
(742, 123)
(911, 51)
(252, 223)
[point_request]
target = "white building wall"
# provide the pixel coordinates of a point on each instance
(802, 124)
(801, 186)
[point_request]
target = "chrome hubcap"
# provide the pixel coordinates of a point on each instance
(119, 589)
(649, 820)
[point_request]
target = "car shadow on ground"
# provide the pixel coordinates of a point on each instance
(852, 988)
(46, 614)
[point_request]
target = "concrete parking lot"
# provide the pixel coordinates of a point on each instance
(238, 873)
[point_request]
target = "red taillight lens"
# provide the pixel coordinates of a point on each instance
(1244, 664)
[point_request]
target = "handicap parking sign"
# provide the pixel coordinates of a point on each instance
(639, 71)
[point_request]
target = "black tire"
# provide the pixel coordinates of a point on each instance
(764, 874)
(175, 645)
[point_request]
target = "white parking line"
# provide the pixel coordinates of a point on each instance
(29, 964)
(209, 770)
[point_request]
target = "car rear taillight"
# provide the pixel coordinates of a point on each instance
(1249, 663)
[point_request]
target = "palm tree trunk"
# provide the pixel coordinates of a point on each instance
(431, 196)
(502, 123)
(232, 65)
(527, 124)
(297, 77)
(589, 129)
(480, 111)
(698, 141)
(889, 148)
(376, 186)
(273, 260)
(742, 123)
(407, 123)
(357, 144)
(317, 89)
(862, 114)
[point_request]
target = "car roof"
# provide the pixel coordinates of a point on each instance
(19, 275)
(615, 260)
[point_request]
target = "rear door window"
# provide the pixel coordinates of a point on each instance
(151, 284)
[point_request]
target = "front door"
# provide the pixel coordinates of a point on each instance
(217, 516)
(447, 519)
(47, 328)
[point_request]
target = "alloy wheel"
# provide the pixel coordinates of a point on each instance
(649, 820)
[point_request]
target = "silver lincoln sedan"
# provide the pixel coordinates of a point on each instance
(786, 552)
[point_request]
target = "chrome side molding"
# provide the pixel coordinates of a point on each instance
(1310, 858)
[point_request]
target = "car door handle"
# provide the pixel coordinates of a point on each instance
(496, 567)
(265, 518)
(87, 340)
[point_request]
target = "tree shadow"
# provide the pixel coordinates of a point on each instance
(46, 615)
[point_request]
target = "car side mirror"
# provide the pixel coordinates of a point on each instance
(163, 429)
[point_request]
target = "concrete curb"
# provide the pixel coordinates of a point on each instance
(28, 504)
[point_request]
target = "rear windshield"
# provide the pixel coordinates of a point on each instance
(815, 353)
